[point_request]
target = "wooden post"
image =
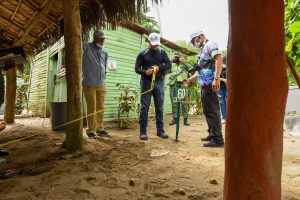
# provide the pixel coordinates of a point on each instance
(257, 86)
(10, 95)
(73, 62)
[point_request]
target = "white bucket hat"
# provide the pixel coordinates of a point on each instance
(195, 34)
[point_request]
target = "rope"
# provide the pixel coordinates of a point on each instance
(20, 139)
(155, 70)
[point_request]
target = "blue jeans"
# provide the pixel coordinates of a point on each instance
(158, 96)
(223, 94)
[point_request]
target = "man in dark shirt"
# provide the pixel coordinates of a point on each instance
(152, 59)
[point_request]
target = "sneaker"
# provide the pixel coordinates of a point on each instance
(143, 136)
(172, 122)
(163, 135)
(91, 135)
(206, 139)
(213, 144)
(102, 133)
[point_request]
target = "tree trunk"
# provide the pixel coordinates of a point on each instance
(258, 86)
(10, 96)
(73, 61)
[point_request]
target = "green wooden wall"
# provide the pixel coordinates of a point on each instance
(123, 46)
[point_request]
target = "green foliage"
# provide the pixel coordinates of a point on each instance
(292, 34)
(194, 99)
(184, 44)
(127, 102)
(22, 89)
(21, 98)
(149, 23)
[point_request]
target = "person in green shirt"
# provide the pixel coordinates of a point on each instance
(178, 73)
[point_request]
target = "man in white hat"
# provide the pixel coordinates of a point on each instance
(209, 70)
(94, 62)
(149, 60)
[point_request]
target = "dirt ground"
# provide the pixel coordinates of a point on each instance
(122, 166)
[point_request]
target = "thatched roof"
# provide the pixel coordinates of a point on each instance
(37, 24)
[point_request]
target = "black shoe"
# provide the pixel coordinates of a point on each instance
(91, 135)
(102, 133)
(206, 139)
(143, 136)
(172, 122)
(3, 152)
(163, 135)
(213, 144)
(185, 122)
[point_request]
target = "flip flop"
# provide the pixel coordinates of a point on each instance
(10, 173)
(3, 152)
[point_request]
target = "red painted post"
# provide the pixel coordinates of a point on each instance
(257, 85)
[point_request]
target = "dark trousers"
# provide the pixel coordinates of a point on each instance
(158, 96)
(211, 110)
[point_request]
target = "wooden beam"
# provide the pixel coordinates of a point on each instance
(37, 19)
(32, 4)
(48, 27)
(293, 70)
(12, 18)
(12, 23)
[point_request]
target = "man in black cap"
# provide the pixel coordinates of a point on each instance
(94, 61)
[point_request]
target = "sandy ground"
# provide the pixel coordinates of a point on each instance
(159, 169)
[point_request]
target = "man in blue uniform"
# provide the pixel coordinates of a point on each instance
(209, 70)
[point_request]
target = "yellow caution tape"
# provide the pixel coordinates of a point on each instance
(155, 70)
(70, 122)
(20, 139)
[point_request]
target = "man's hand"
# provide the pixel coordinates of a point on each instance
(186, 81)
(149, 72)
(181, 60)
(216, 85)
(155, 68)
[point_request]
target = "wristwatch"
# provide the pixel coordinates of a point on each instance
(216, 78)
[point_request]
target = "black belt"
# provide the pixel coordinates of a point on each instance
(206, 85)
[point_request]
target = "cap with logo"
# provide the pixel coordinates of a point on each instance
(154, 39)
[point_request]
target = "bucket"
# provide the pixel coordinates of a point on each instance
(58, 115)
